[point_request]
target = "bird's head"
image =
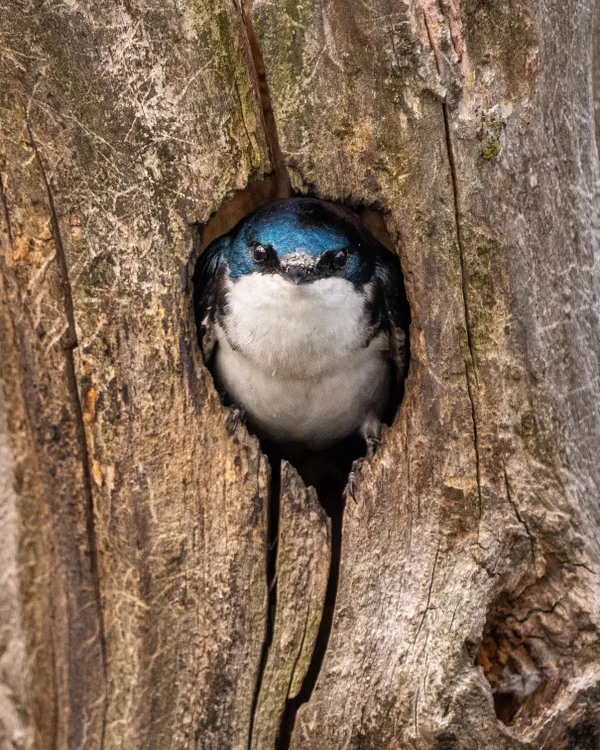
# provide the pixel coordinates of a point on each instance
(302, 240)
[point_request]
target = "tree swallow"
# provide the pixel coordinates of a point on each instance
(302, 321)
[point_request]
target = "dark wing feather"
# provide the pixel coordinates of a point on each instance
(208, 293)
(395, 316)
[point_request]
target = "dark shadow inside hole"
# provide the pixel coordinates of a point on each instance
(506, 706)
(326, 470)
(241, 203)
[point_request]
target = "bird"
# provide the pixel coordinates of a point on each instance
(301, 318)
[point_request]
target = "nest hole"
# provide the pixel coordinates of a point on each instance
(327, 470)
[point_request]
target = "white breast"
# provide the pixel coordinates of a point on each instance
(293, 330)
(294, 357)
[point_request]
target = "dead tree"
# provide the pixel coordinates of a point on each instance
(134, 594)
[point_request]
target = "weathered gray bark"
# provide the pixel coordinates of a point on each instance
(137, 529)
(596, 55)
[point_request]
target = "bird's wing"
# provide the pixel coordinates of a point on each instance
(394, 312)
(207, 293)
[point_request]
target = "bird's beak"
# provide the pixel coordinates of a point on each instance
(298, 267)
(297, 275)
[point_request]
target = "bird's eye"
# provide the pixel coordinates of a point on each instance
(259, 253)
(340, 258)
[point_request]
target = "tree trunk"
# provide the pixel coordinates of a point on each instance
(596, 63)
(463, 608)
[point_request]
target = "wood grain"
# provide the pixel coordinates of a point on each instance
(467, 608)
(124, 125)
(468, 125)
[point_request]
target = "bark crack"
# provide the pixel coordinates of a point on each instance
(459, 239)
(283, 185)
(538, 611)
(465, 299)
(271, 575)
(70, 370)
(299, 654)
(575, 564)
(428, 603)
(436, 52)
(520, 518)
(283, 189)
(475, 442)
(5, 210)
(239, 98)
(322, 641)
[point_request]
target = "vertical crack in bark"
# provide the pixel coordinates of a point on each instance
(520, 518)
(298, 655)
(239, 98)
(282, 178)
(284, 190)
(465, 297)
(434, 48)
(463, 272)
(271, 573)
(68, 347)
(310, 680)
(5, 211)
(430, 589)
(475, 442)
(459, 239)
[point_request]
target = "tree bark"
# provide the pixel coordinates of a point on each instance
(467, 611)
(473, 548)
(15, 728)
(596, 63)
(143, 543)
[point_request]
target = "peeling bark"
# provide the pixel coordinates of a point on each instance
(467, 603)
